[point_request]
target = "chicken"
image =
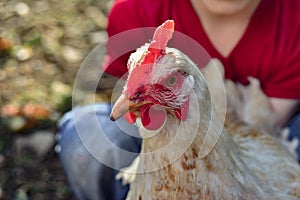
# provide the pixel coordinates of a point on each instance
(186, 153)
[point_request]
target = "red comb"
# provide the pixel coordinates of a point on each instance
(162, 35)
(141, 73)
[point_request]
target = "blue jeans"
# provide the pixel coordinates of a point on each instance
(294, 127)
(90, 178)
(79, 132)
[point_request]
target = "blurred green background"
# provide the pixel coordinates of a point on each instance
(42, 44)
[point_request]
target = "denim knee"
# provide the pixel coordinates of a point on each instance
(88, 176)
(294, 127)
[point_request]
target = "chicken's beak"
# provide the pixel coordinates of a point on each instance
(122, 106)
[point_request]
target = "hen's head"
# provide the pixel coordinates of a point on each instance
(158, 84)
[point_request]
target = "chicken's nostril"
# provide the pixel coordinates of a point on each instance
(135, 96)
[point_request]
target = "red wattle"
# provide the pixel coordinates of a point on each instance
(154, 117)
(130, 117)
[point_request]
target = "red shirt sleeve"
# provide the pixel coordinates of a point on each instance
(284, 80)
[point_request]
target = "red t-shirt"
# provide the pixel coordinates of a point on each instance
(268, 50)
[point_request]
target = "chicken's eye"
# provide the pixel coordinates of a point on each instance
(171, 81)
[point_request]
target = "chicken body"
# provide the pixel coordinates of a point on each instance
(193, 157)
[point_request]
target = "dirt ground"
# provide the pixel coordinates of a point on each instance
(42, 44)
